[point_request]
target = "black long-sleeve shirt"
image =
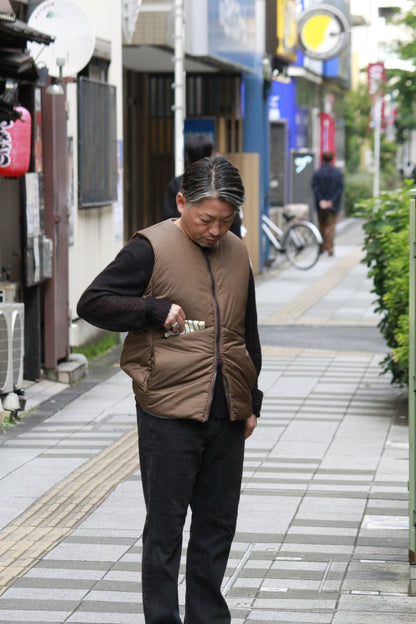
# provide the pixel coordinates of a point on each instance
(114, 301)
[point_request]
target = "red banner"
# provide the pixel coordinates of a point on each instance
(327, 132)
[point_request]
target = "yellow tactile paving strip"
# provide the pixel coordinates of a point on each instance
(57, 513)
(293, 311)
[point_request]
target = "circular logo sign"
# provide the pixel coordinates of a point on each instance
(323, 32)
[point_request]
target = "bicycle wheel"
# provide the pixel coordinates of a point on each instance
(301, 246)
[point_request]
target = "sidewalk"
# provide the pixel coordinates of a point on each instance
(322, 535)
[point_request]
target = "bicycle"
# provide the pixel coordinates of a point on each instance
(300, 241)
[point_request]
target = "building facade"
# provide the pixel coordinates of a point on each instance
(305, 113)
(61, 218)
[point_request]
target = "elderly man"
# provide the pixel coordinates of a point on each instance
(184, 291)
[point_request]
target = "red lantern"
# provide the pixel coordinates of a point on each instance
(15, 140)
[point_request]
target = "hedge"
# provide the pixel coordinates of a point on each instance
(386, 246)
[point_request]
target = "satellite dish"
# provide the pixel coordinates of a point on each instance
(74, 37)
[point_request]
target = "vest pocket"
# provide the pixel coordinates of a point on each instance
(182, 361)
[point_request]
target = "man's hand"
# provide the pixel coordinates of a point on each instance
(176, 315)
(325, 204)
(250, 425)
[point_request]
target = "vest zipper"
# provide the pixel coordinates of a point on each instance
(217, 331)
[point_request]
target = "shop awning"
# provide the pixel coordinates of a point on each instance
(15, 62)
(6, 12)
(15, 34)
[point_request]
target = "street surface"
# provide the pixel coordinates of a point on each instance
(322, 535)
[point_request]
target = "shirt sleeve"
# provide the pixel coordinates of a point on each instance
(338, 186)
(114, 300)
(253, 343)
(169, 208)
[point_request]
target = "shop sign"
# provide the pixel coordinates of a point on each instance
(15, 140)
(232, 31)
(323, 32)
(282, 29)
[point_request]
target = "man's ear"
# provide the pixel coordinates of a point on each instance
(180, 202)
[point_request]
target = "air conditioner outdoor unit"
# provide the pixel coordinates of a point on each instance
(11, 346)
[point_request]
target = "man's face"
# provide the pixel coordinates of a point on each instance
(205, 222)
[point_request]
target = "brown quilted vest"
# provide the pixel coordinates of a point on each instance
(174, 377)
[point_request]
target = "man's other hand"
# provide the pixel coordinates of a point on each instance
(250, 425)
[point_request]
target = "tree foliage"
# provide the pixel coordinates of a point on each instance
(403, 81)
(357, 129)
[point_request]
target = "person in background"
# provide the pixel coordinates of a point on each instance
(413, 174)
(197, 146)
(184, 291)
(328, 186)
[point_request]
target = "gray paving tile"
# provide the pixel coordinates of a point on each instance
(93, 617)
(387, 604)
(18, 616)
(33, 605)
(110, 607)
(51, 582)
(42, 596)
(342, 617)
(257, 616)
(86, 552)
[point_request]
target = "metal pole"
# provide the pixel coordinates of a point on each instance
(179, 106)
(412, 397)
(179, 87)
(377, 137)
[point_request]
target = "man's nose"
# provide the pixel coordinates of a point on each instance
(215, 228)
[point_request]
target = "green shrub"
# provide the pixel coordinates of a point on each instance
(358, 186)
(386, 247)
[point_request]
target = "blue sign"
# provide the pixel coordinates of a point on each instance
(232, 32)
(283, 107)
(200, 126)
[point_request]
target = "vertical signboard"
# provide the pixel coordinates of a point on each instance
(282, 29)
(376, 75)
(302, 168)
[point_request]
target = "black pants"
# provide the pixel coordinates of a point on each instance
(187, 463)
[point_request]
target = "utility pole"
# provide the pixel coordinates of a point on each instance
(179, 87)
(179, 106)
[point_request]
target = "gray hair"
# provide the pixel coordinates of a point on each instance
(213, 178)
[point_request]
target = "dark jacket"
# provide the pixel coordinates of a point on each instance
(328, 183)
